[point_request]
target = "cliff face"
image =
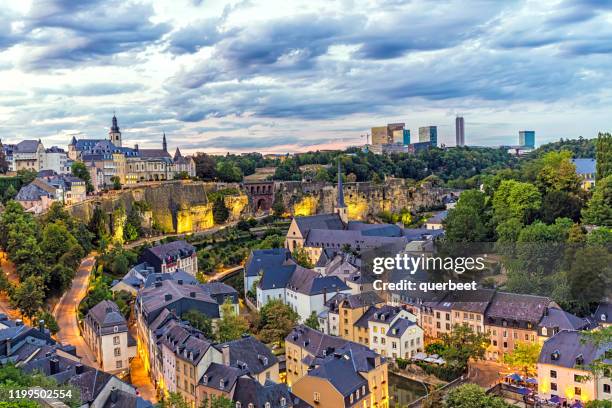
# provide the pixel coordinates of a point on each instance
(185, 207)
(362, 199)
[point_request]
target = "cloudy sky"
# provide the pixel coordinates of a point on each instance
(292, 75)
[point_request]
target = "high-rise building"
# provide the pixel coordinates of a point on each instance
(527, 138)
(429, 134)
(393, 133)
(460, 131)
(406, 137)
(379, 135)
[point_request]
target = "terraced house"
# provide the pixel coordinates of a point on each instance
(327, 371)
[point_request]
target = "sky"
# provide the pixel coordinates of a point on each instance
(277, 76)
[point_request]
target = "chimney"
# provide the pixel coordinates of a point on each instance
(168, 297)
(225, 351)
(41, 325)
(54, 366)
(546, 311)
(78, 368)
(114, 395)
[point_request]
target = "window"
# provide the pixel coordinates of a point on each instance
(116, 340)
(351, 398)
(119, 364)
(115, 329)
(238, 404)
(606, 388)
(505, 344)
(283, 402)
(553, 374)
(553, 386)
(577, 391)
(117, 351)
(495, 343)
(267, 405)
(317, 397)
(578, 378)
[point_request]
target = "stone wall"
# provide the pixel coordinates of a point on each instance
(184, 206)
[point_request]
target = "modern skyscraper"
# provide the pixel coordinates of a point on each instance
(393, 133)
(527, 138)
(406, 137)
(429, 134)
(460, 131)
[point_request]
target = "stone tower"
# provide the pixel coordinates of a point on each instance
(164, 144)
(114, 135)
(341, 208)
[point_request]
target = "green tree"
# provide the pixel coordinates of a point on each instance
(80, 170)
(50, 322)
(231, 326)
(321, 175)
(463, 344)
(4, 166)
(200, 321)
(29, 296)
(301, 257)
(599, 404)
(603, 148)
(514, 199)
(312, 321)
(217, 401)
(276, 319)
(228, 172)
(600, 365)
(464, 224)
(472, 396)
(599, 208)
(174, 400)
(220, 211)
(116, 182)
(558, 173)
(524, 357)
(559, 204)
(590, 276)
(278, 206)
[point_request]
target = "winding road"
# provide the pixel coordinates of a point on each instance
(65, 312)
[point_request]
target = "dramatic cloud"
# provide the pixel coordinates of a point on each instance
(272, 75)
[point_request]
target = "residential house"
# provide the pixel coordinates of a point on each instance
(105, 331)
(251, 356)
(555, 320)
(436, 221)
(562, 369)
(329, 371)
(586, 170)
(171, 256)
(393, 332)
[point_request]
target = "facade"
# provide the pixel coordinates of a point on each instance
(169, 257)
(106, 334)
(429, 134)
(393, 332)
(48, 188)
(436, 221)
(331, 372)
(586, 170)
(561, 369)
(459, 131)
(527, 138)
(56, 159)
(129, 165)
(393, 133)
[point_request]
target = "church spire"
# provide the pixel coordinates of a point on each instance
(341, 209)
(164, 144)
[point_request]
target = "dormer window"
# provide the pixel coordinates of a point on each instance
(238, 404)
(580, 360)
(221, 383)
(267, 405)
(283, 402)
(555, 355)
(205, 379)
(603, 317)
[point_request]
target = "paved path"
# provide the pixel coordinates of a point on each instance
(65, 312)
(139, 377)
(485, 373)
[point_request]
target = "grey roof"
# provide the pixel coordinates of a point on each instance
(31, 192)
(360, 299)
(421, 233)
(172, 249)
(399, 327)
(178, 275)
(354, 238)
(473, 302)
(313, 341)
(221, 377)
(250, 391)
(585, 166)
(603, 314)
(122, 399)
(557, 318)
(27, 146)
(519, 307)
(218, 288)
(265, 259)
(277, 277)
(321, 221)
(106, 315)
(309, 282)
(569, 349)
(339, 371)
(438, 217)
(154, 154)
(382, 230)
(250, 354)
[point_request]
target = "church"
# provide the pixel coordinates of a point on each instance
(107, 160)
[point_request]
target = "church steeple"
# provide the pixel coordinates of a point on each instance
(114, 135)
(341, 208)
(164, 144)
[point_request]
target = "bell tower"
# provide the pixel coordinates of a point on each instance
(114, 135)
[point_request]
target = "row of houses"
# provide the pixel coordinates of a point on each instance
(33, 350)
(49, 187)
(32, 155)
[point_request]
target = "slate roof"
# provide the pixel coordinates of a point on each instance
(473, 301)
(556, 317)
(249, 390)
(565, 347)
(154, 154)
(122, 399)
(309, 282)
(277, 277)
(216, 373)
(382, 230)
(513, 306)
(169, 250)
(218, 288)
(603, 314)
(585, 166)
(321, 221)
(85, 144)
(27, 146)
(363, 320)
(399, 327)
(106, 314)
(252, 352)
(313, 341)
(32, 192)
(438, 217)
(265, 259)
(339, 371)
(413, 234)
(178, 275)
(362, 299)
(322, 237)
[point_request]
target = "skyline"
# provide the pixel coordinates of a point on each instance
(271, 77)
